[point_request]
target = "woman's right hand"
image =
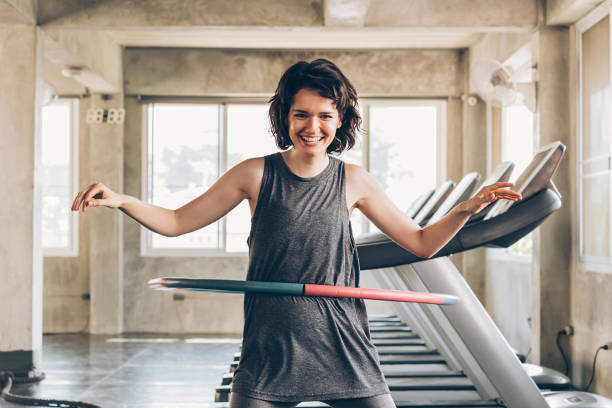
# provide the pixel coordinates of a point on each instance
(96, 195)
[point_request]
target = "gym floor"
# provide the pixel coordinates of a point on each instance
(132, 370)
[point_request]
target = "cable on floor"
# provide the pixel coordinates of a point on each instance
(7, 379)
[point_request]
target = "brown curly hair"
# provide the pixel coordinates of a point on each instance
(325, 77)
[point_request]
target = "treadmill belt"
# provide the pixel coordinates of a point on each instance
(430, 358)
(398, 342)
(394, 335)
(430, 383)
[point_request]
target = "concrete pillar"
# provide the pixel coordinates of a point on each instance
(551, 295)
(20, 209)
(474, 265)
(472, 157)
(106, 235)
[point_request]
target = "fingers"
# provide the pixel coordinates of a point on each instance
(85, 196)
(502, 184)
(504, 193)
(77, 203)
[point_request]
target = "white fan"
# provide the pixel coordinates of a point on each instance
(494, 82)
(48, 92)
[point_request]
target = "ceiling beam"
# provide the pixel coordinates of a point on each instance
(345, 13)
(566, 12)
(17, 12)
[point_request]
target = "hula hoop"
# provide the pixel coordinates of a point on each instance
(299, 289)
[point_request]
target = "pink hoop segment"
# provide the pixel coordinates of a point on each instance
(379, 294)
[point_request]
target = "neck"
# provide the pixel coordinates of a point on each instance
(303, 165)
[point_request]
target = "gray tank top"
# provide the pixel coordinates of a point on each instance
(305, 348)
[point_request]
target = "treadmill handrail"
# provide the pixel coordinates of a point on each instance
(376, 250)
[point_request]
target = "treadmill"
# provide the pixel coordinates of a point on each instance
(465, 334)
(545, 378)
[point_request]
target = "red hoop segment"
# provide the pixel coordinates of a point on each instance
(378, 294)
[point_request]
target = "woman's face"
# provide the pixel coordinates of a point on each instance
(313, 121)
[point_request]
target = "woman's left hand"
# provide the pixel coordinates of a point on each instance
(488, 194)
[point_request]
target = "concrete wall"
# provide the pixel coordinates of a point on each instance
(210, 72)
(182, 13)
(435, 13)
(94, 52)
(20, 211)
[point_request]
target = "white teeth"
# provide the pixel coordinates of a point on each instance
(311, 139)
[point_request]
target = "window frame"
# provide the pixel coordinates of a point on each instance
(441, 132)
(585, 262)
(505, 253)
(146, 250)
(72, 250)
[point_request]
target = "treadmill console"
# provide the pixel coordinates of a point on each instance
(460, 193)
(434, 202)
(418, 204)
(501, 172)
(536, 176)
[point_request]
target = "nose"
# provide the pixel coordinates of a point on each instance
(312, 124)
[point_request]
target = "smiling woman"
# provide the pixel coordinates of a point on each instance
(304, 348)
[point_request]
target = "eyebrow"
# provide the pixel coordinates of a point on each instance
(305, 111)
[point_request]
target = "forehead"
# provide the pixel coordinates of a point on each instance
(310, 100)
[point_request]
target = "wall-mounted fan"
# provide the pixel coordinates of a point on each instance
(48, 93)
(494, 82)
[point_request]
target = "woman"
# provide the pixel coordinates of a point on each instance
(304, 348)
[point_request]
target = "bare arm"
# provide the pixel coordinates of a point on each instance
(240, 182)
(367, 196)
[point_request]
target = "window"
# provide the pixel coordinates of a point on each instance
(190, 145)
(518, 141)
(406, 147)
(59, 153)
(594, 140)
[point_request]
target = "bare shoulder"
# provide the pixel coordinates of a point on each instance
(249, 174)
(356, 175)
(357, 180)
(249, 166)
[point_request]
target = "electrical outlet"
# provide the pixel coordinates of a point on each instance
(609, 344)
(568, 330)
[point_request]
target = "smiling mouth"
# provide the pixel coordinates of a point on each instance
(311, 139)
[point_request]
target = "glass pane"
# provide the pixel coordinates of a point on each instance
(248, 135)
(596, 216)
(403, 150)
(184, 162)
(518, 138)
(56, 178)
(596, 90)
(517, 146)
(355, 156)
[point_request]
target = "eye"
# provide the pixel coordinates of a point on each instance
(299, 115)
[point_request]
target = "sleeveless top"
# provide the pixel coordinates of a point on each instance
(298, 348)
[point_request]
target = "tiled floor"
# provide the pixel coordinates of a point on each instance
(132, 371)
